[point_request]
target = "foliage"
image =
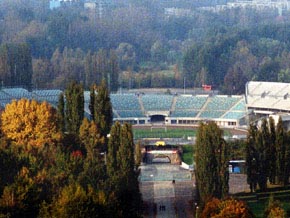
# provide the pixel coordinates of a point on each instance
(30, 123)
(101, 108)
(227, 208)
(15, 65)
(274, 209)
(211, 160)
(267, 148)
(74, 108)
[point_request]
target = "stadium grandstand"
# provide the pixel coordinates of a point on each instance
(151, 108)
(264, 99)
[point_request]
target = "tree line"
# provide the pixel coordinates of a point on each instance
(224, 49)
(58, 163)
(266, 152)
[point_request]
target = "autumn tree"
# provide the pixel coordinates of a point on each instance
(74, 108)
(74, 201)
(90, 137)
(274, 209)
(227, 208)
(211, 162)
(29, 123)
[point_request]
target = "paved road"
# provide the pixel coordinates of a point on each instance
(167, 199)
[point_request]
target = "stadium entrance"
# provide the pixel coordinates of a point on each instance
(162, 153)
(157, 119)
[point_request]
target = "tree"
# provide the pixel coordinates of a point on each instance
(272, 151)
(226, 208)
(211, 162)
(121, 170)
(101, 108)
(274, 209)
(61, 112)
(30, 123)
(90, 137)
(74, 110)
(129, 193)
(262, 146)
(74, 201)
(16, 65)
(113, 146)
(251, 158)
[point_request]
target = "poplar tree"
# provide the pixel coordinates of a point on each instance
(122, 174)
(16, 65)
(129, 193)
(280, 147)
(113, 146)
(211, 173)
(263, 148)
(272, 151)
(251, 157)
(101, 108)
(74, 95)
(61, 112)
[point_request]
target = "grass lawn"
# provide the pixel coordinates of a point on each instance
(258, 207)
(187, 156)
(163, 133)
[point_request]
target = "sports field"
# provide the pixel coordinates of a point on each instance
(167, 132)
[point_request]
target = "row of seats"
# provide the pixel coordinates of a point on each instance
(157, 102)
(125, 102)
(221, 103)
(190, 102)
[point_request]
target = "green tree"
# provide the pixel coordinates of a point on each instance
(113, 146)
(16, 65)
(211, 162)
(61, 112)
(101, 108)
(251, 157)
(74, 109)
(272, 154)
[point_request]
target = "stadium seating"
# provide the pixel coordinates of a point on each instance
(130, 113)
(211, 114)
(241, 106)
(125, 102)
(154, 102)
(190, 102)
(4, 96)
(183, 113)
(234, 115)
(221, 103)
(17, 93)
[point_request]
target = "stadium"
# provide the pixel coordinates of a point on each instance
(139, 107)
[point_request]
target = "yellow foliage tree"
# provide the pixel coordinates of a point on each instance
(30, 123)
(226, 209)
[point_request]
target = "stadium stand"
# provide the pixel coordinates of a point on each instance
(154, 102)
(190, 102)
(221, 103)
(17, 93)
(144, 108)
(184, 113)
(125, 102)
